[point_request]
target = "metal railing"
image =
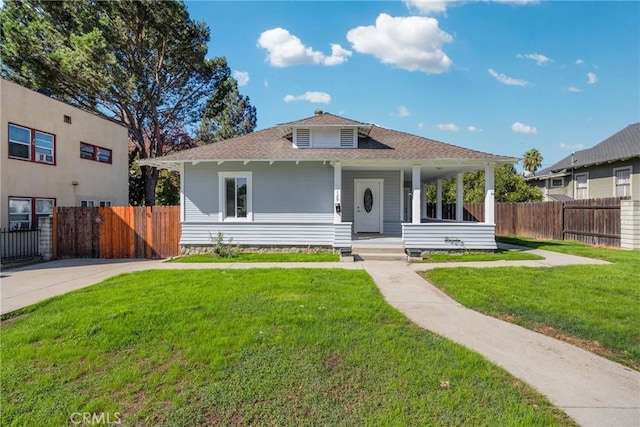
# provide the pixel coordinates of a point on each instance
(18, 244)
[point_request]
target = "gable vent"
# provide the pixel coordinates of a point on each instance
(303, 138)
(347, 138)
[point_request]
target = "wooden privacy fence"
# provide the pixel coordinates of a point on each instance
(116, 232)
(592, 221)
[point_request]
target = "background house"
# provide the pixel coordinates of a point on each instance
(56, 154)
(609, 169)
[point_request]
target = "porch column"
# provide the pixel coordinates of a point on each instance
(439, 199)
(459, 196)
(415, 200)
(337, 192)
(424, 199)
(489, 195)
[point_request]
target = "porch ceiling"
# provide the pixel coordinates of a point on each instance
(427, 172)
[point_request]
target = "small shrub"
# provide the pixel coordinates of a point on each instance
(222, 249)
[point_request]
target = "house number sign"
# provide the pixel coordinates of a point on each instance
(368, 200)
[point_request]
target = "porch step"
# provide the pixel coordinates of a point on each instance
(372, 253)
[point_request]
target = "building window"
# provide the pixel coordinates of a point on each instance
(21, 211)
(582, 186)
(622, 181)
(30, 144)
(557, 182)
(235, 196)
(87, 203)
(105, 203)
(93, 152)
(67, 119)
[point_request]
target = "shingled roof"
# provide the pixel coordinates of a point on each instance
(619, 146)
(380, 144)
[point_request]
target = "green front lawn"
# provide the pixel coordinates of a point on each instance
(498, 255)
(263, 257)
(593, 306)
(247, 347)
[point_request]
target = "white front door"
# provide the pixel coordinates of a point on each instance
(368, 207)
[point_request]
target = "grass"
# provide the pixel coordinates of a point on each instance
(498, 255)
(263, 257)
(592, 306)
(247, 347)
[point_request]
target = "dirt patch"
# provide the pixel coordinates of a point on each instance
(332, 362)
(9, 321)
(592, 346)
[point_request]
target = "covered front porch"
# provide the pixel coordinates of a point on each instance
(385, 205)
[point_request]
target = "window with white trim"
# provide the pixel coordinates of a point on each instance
(622, 181)
(582, 186)
(105, 203)
(557, 182)
(21, 211)
(87, 203)
(235, 196)
(30, 144)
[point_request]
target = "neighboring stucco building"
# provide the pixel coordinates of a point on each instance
(56, 154)
(609, 169)
(324, 181)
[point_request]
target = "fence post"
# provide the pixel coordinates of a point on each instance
(45, 237)
(630, 224)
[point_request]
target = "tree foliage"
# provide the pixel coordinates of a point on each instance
(227, 114)
(509, 187)
(141, 62)
(532, 160)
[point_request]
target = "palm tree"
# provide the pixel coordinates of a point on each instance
(532, 160)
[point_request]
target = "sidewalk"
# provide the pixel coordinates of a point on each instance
(592, 390)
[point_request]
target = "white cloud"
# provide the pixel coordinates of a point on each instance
(574, 89)
(402, 111)
(502, 78)
(412, 43)
(579, 61)
(518, 127)
(284, 50)
(427, 6)
(314, 97)
(242, 77)
(440, 6)
(538, 57)
(420, 125)
(449, 127)
(473, 129)
(592, 79)
(564, 146)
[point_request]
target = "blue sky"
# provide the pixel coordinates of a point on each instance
(495, 76)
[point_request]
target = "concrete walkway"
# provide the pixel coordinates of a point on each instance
(592, 390)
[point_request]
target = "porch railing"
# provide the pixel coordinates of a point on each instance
(18, 244)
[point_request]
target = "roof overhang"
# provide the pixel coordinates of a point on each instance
(446, 165)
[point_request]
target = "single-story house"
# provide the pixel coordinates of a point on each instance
(608, 169)
(326, 181)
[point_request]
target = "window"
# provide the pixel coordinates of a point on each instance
(87, 203)
(622, 181)
(30, 144)
(21, 211)
(235, 196)
(582, 186)
(19, 214)
(557, 182)
(93, 152)
(67, 119)
(105, 203)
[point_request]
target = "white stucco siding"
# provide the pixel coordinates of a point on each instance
(283, 192)
(391, 197)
